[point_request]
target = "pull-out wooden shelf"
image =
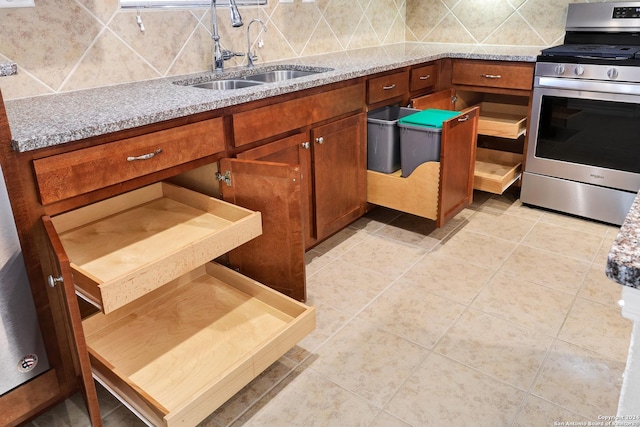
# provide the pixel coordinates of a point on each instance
(502, 120)
(495, 170)
(124, 247)
(177, 354)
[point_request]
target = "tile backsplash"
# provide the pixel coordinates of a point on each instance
(65, 45)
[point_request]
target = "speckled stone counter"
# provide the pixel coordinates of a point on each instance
(49, 120)
(623, 263)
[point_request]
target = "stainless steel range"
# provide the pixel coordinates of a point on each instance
(583, 155)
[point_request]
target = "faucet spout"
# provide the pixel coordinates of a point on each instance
(252, 57)
(219, 54)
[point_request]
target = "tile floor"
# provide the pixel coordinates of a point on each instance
(502, 318)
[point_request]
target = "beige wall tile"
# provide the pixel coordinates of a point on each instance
(178, 42)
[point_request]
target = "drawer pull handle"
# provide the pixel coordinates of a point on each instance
(491, 76)
(393, 86)
(144, 156)
(320, 140)
(53, 281)
(463, 118)
(427, 77)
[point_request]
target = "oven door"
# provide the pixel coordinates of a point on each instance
(586, 131)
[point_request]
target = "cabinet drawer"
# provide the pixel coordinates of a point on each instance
(423, 77)
(387, 87)
(78, 172)
(183, 352)
(271, 120)
(502, 120)
(493, 74)
(126, 246)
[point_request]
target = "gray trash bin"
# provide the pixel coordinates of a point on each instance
(383, 138)
(420, 136)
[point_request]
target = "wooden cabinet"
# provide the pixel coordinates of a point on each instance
(332, 163)
(177, 335)
(423, 78)
(434, 190)
(387, 88)
(502, 92)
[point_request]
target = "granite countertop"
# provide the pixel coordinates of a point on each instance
(623, 262)
(50, 120)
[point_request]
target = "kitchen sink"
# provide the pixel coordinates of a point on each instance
(280, 75)
(244, 79)
(227, 84)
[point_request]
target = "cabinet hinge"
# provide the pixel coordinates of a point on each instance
(226, 177)
(454, 98)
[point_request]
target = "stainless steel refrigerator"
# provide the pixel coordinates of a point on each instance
(22, 352)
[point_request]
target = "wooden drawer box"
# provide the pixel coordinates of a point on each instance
(416, 194)
(492, 74)
(124, 247)
(77, 172)
(181, 353)
(502, 120)
(496, 170)
(387, 87)
(423, 77)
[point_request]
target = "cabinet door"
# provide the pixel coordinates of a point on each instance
(62, 278)
(340, 180)
(276, 258)
(294, 150)
(457, 163)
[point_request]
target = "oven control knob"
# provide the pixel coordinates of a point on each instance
(579, 70)
(559, 69)
(612, 73)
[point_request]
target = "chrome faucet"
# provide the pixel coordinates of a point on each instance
(252, 57)
(220, 55)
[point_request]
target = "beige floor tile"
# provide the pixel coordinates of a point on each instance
(385, 419)
(314, 261)
(565, 241)
(442, 392)
(375, 219)
(345, 286)
(478, 249)
(598, 287)
(341, 242)
(449, 277)
(602, 255)
(599, 328)
(538, 412)
(413, 230)
(407, 310)
(306, 398)
(367, 360)
(506, 204)
(385, 256)
(525, 303)
(250, 393)
(328, 321)
(579, 224)
(496, 347)
(506, 227)
(580, 380)
(546, 268)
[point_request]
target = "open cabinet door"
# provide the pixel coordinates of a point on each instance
(276, 258)
(457, 162)
(61, 277)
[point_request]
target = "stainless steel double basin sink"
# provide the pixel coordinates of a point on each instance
(259, 78)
